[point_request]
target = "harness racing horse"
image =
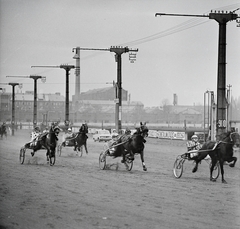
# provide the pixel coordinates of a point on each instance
(78, 139)
(3, 131)
(48, 141)
(81, 138)
(219, 151)
(133, 145)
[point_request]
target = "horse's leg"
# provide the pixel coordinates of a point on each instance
(195, 167)
(47, 155)
(123, 156)
(222, 170)
(234, 159)
(85, 146)
(213, 164)
(143, 163)
(75, 145)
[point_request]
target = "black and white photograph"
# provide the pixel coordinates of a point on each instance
(119, 114)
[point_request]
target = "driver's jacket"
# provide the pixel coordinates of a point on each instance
(34, 135)
(119, 139)
(69, 135)
(191, 145)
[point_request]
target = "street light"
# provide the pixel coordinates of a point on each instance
(118, 50)
(35, 78)
(67, 68)
(13, 105)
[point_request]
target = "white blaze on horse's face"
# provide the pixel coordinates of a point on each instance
(56, 131)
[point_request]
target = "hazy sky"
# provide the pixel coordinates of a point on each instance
(176, 54)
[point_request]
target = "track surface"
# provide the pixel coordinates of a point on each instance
(75, 193)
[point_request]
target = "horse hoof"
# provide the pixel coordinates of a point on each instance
(32, 153)
(231, 165)
(144, 169)
(194, 170)
(213, 180)
(122, 161)
(224, 182)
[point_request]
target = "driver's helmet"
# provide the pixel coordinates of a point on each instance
(37, 129)
(69, 130)
(127, 131)
(194, 138)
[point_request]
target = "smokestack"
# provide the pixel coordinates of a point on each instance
(175, 99)
(77, 71)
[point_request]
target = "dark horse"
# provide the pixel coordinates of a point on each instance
(3, 130)
(79, 139)
(47, 141)
(219, 151)
(133, 144)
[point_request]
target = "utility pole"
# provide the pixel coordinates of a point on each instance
(222, 18)
(67, 68)
(118, 57)
(35, 78)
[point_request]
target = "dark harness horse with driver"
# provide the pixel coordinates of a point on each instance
(133, 145)
(78, 139)
(219, 151)
(47, 141)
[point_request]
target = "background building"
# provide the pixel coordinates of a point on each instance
(98, 106)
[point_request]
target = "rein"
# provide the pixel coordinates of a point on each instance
(76, 136)
(73, 137)
(121, 143)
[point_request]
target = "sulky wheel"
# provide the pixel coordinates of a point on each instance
(178, 167)
(59, 149)
(128, 162)
(216, 170)
(22, 155)
(102, 160)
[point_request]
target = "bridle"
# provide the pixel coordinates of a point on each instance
(231, 139)
(143, 131)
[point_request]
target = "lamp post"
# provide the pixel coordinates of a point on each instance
(67, 68)
(222, 18)
(118, 57)
(13, 106)
(35, 78)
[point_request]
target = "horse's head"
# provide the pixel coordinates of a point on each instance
(143, 130)
(56, 130)
(83, 129)
(235, 138)
(230, 137)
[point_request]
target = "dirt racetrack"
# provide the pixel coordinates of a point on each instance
(75, 193)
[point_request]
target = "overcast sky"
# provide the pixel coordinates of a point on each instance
(176, 55)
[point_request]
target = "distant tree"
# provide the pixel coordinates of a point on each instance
(165, 102)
